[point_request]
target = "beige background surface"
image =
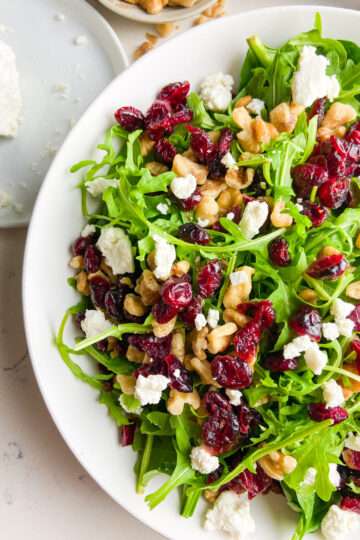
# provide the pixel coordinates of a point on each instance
(44, 492)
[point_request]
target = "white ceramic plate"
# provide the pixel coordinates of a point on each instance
(56, 221)
(47, 59)
(168, 14)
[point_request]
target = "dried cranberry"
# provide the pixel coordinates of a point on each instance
(165, 151)
(279, 252)
(335, 151)
(114, 300)
(353, 134)
(81, 243)
(156, 348)
(92, 259)
(130, 118)
(352, 459)
(102, 345)
(355, 317)
(253, 484)
(224, 142)
(163, 313)
(221, 430)
(99, 286)
(278, 364)
(231, 372)
(307, 321)
(153, 367)
(248, 419)
(318, 109)
(351, 503)
(209, 278)
(175, 93)
(193, 309)
(246, 341)
(158, 120)
(194, 234)
(177, 293)
(179, 377)
(191, 202)
(328, 267)
(355, 345)
(261, 312)
(320, 412)
(334, 192)
(307, 176)
(203, 148)
(214, 476)
(315, 212)
(181, 115)
(127, 434)
(216, 169)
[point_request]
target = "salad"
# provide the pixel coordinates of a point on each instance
(219, 279)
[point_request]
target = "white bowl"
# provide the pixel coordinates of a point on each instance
(56, 221)
(168, 14)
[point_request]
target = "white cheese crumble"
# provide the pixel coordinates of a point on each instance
(148, 390)
(254, 217)
(163, 208)
(339, 524)
(345, 327)
(298, 345)
(334, 475)
(330, 331)
(10, 96)
(230, 215)
(81, 41)
(115, 246)
(165, 255)
(340, 309)
(213, 317)
(94, 323)
(200, 321)
(352, 442)
(231, 514)
(216, 91)
(87, 230)
(97, 186)
(310, 81)
(183, 186)
(234, 396)
(240, 276)
(229, 161)
(315, 359)
(202, 461)
(5, 199)
(255, 106)
(310, 477)
(203, 222)
(332, 393)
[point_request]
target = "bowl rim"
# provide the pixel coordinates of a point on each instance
(167, 14)
(145, 520)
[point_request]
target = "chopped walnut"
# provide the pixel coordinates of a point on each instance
(153, 6)
(239, 178)
(162, 330)
(148, 288)
(236, 294)
(178, 345)
(216, 10)
(233, 315)
(203, 369)
(277, 465)
(199, 342)
(133, 305)
(338, 115)
(152, 38)
(134, 355)
(156, 168)
(219, 339)
(146, 144)
(182, 166)
(126, 383)
(77, 262)
(284, 116)
(180, 268)
(255, 131)
(353, 290)
(207, 209)
(278, 217)
(213, 188)
(165, 29)
(177, 401)
(229, 199)
(82, 285)
(142, 49)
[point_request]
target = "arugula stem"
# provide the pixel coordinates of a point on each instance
(343, 372)
(259, 49)
(192, 498)
(145, 460)
(114, 331)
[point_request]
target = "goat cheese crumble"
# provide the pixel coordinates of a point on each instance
(148, 390)
(115, 245)
(352, 442)
(163, 208)
(200, 321)
(229, 161)
(88, 230)
(330, 331)
(94, 323)
(216, 91)
(234, 396)
(165, 255)
(240, 276)
(97, 186)
(334, 475)
(231, 514)
(202, 461)
(213, 317)
(340, 309)
(10, 96)
(339, 524)
(253, 218)
(203, 222)
(298, 345)
(332, 393)
(183, 186)
(310, 81)
(315, 358)
(255, 106)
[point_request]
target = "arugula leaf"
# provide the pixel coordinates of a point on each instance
(201, 117)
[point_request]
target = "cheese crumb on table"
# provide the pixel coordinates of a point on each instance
(10, 95)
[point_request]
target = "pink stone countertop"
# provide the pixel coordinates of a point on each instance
(45, 494)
